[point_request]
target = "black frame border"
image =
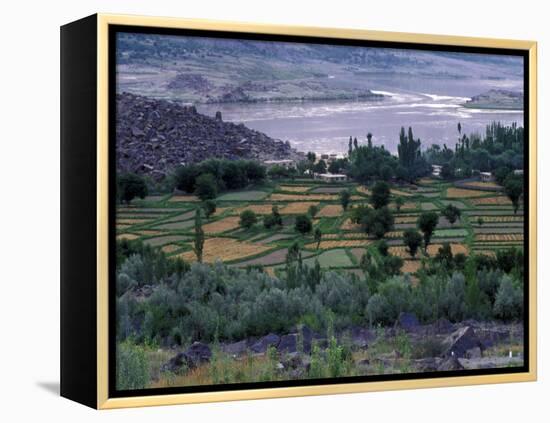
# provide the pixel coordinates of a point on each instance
(114, 29)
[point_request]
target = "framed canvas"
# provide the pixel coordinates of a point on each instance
(255, 211)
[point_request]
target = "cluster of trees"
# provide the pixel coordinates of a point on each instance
(378, 220)
(208, 302)
(208, 178)
(499, 151)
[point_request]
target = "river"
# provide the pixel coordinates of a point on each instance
(325, 126)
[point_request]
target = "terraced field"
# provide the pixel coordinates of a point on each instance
(487, 224)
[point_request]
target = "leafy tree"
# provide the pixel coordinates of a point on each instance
(273, 219)
(198, 243)
(312, 210)
(380, 196)
(185, 177)
(293, 253)
(427, 223)
(501, 174)
(377, 222)
(453, 301)
(399, 201)
(303, 224)
(206, 187)
(345, 197)
(248, 219)
(320, 167)
(318, 236)
(480, 221)
(131, 186)
(513, 187)
(311, 157)
(234, 175)
(255, 172)
(412, 240)
(209, 207)
(445, 255)
(451, 212)
(410, 157)
(509, 300)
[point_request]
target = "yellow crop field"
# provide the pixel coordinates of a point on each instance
(222, 225)
(411, 266)
(327, 245)
(225, 249)
(348, 226)
(400, 193)
(363, 190)
(497, 219)
(256, 208)
(331, 210)
(401, 250)
(499, 237)
(499, 200)
(303, 197)
(128, 237)
(464, 193)
(131, 221)
(455, 248)
(408, 206)
(481, 184)
(183, 199)
(148, 232)
(295, 188)
(220, 210)
(406, 219)
(170, 248)
(427, 181)
(297, 208)
(351, 235)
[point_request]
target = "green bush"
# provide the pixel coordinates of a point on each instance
(509, 300)
(131, 366)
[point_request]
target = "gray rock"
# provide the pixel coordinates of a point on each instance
(264, 343)
(195, 355)
(473, 353)
(449, 364)
(407, 321)
(235, 349)
(287, 343)
(460, 341)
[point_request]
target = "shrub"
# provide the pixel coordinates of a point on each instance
(248, 219)
(377, 309)
(206, 187)
(209, 207)
(380, 196)
(131, 366)
(454, 298)
(130, 186)
(509, 300)
(303, 224)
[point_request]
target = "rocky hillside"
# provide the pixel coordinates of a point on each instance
(497, 99)
(155, 136)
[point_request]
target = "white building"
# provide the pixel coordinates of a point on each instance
(329, 177)
(518, 172)
(286, 163)
(436, 170)
(486, 176)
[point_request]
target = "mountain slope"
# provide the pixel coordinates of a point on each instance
(154, 136)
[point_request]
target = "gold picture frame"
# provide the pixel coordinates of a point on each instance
(102, 22)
